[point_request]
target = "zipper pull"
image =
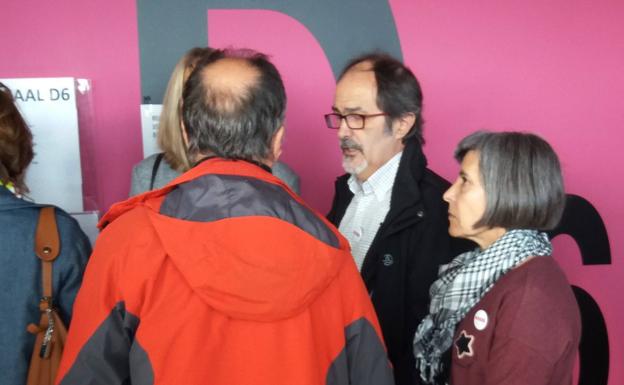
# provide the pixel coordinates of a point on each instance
(44, 352)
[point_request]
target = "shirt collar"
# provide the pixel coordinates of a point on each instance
(380, 182)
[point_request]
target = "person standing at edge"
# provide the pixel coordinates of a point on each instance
(225, 276)
(21, 272)
(389, 204)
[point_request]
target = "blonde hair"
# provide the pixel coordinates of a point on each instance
(170, 138)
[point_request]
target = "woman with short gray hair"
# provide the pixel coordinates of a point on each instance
(503, 313)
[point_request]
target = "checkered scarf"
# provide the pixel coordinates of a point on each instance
(461, 284)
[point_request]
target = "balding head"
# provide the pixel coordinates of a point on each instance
(228, 82)
(233, 105)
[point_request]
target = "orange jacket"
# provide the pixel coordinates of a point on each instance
(224, 276)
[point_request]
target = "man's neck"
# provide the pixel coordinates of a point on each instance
(266, 165)
(365, 175)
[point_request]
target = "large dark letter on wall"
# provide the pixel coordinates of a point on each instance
(583, 223)
(594, 348)
(343, 28)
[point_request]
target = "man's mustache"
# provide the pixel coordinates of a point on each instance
(349, 144)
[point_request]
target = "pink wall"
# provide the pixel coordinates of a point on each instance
(93, 40)
(555, 68)
(550, 69)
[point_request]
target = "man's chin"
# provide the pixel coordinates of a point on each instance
(351, 168)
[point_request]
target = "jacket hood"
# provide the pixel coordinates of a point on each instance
(254, 267)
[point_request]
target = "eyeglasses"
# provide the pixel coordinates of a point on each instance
(354, 121)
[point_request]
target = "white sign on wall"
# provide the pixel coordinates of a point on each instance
(49, 107)
(150, 115)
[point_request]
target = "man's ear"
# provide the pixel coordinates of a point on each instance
(403, 125)
(184, 134)
(276, 143)
(191, 157)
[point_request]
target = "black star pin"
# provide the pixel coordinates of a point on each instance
(464, 344)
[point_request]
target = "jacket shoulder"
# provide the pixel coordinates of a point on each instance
(342, 179)
(21, 212)
(144, 167)
(127, 225)
(141, 175)
(435, 182)
(432, 187)
(342, 197)
(68, 227)
(288, 175)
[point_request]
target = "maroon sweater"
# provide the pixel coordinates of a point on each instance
(525, 330)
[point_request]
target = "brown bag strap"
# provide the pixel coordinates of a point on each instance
(47, 245)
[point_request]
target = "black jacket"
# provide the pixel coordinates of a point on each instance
(402, 262)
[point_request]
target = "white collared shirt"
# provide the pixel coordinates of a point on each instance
(368, 208)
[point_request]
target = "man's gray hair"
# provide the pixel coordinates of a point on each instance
(237, 123)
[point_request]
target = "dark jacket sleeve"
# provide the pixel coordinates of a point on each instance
(342, 198)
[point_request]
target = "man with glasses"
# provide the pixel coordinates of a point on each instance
(389, 205)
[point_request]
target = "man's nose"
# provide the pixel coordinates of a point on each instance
(343, 130)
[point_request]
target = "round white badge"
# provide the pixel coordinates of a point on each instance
(480, 320)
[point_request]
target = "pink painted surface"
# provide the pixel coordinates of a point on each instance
(97, 41)
(310, 148)
(554, 68)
